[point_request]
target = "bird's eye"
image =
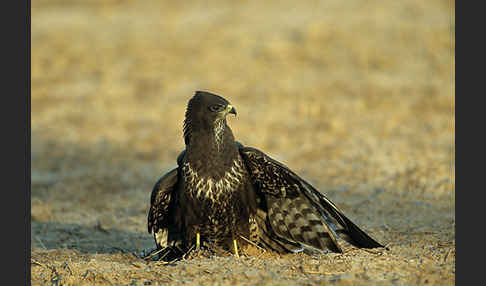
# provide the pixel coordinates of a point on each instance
(216, 108)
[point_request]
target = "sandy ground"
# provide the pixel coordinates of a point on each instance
(354, 96)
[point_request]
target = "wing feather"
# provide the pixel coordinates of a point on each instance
(159, 218)
(289, 196)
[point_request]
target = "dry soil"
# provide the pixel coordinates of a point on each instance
(355, 96)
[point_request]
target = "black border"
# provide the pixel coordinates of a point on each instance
(24, 36)
(469, 192)
(27, 180)
(16, 126)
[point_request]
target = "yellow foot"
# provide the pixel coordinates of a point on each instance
(198, 241)
(235, 245)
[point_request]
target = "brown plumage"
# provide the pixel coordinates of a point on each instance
(223, 190)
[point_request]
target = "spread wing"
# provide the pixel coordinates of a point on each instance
(160, 216)
(162, 212)
(296, 211)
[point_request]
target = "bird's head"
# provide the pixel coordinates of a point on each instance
(205, 111)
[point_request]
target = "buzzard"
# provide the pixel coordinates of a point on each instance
(222, 190)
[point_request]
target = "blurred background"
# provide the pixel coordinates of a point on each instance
(355, 96)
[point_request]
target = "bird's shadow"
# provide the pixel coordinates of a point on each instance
(95, 239)
(71, 183)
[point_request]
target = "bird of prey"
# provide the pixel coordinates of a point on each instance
(222, 190)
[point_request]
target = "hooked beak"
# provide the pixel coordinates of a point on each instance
(230, 109)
